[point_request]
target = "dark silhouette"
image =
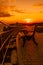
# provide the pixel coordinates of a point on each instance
(4, 28)
(28, 37)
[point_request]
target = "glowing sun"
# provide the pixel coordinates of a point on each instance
(28, 20)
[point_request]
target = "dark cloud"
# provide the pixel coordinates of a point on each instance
(38, 5)
(15, 9)
(19, 11)
(3, 14)
(41, 11)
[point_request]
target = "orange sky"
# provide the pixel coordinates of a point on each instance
(21, 10)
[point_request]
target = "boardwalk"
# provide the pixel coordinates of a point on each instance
(15, 54)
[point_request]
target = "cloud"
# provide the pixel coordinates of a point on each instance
(41, 11)
(38, 5)
(3, 14)
(15, 9)
(7, 2)
(19, 11)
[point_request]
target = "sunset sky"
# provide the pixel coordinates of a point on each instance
(25, 10)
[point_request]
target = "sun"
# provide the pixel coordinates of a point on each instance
(28, 20)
